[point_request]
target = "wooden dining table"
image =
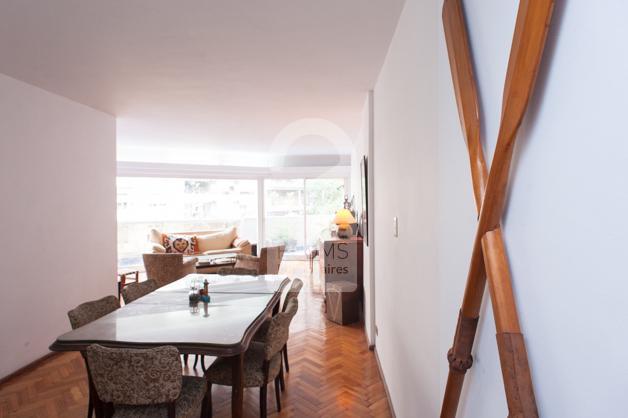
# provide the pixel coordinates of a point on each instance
(224, 327)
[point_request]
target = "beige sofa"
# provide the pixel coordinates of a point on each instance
(208, 242)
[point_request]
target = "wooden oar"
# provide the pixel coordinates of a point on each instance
(460, 61)
(529, 39)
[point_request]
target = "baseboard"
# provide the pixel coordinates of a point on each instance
(381, 375)
(29, 367)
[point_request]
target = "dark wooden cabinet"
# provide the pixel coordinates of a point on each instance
(341, 266)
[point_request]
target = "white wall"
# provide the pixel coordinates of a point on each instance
(405, 163)
(58, 215)
(363, 147)
(565, 225)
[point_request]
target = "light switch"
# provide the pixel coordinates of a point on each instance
(395, 227)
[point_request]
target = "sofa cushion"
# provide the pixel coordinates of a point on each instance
(179, 244)
(218, 241)
(157, 248)
(156, 236)
(222, 251)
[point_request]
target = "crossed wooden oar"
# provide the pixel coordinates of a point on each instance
(489, 257)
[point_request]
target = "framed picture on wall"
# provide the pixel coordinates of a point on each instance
(364, 213)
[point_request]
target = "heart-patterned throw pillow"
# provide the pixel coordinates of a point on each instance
(179, 244)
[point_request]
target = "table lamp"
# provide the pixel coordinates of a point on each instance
(344, 219)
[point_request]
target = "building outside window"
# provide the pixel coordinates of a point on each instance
(181, 205)
(298, 212)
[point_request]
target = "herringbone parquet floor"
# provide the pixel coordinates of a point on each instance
(332, 373)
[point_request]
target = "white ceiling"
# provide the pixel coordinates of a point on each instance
(263, 76)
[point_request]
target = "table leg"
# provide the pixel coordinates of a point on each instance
(90, 386)
(237, 394)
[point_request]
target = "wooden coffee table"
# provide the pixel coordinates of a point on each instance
(212, 263)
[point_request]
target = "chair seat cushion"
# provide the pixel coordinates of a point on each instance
(188, 404)
(219, 372)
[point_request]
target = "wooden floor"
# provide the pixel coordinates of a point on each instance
(332, 373)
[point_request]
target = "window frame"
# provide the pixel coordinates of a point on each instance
(260, 174)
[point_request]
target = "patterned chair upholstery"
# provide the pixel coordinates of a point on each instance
(90, 311)
(262, 361)
(166, 268)
(145, 383)
(135, 291)
(293, 292)
(260, 335)
(84, 314)
(219, 373)
(268, 261)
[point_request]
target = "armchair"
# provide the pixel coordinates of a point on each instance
(268, 261)
(166, 268)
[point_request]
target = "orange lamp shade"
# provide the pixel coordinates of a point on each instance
(344, 217)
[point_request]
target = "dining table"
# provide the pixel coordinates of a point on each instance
(224, 327)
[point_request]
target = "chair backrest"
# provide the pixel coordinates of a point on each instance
(135, 291)
(293, 292)
(270, 259)
(237, 271)
(90, 311)
(135, 377)
(279, 329)
(163, 268)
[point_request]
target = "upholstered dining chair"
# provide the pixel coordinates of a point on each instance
(268, 261)
(166, 268)
(135, 291)
(262, 360)
(142, 383)
(260, 335)
(90, 311)
(84, 314)
(293, 293)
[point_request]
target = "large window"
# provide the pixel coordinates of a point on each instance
(284, 217)
(181, 205)
(298, 212)
(323, 197)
